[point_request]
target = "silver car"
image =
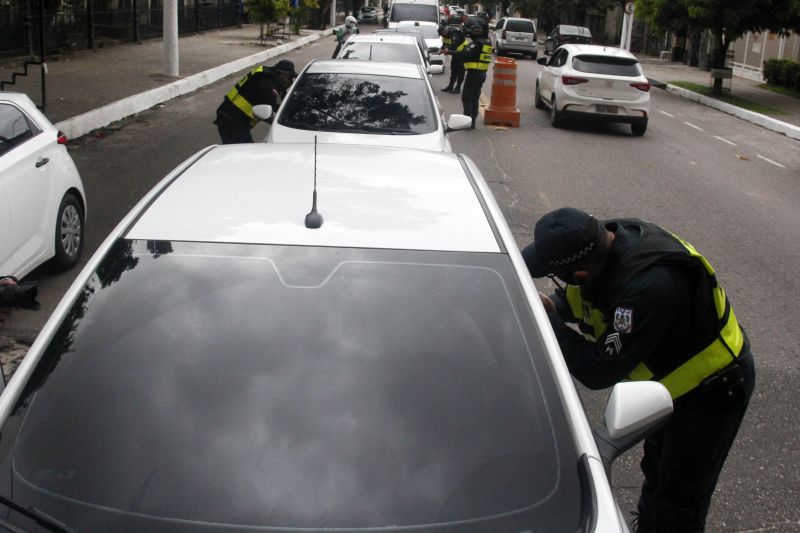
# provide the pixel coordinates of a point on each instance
(517, 35)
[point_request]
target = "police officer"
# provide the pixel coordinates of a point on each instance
(477, 56)
(650, 307)
(453, 40)
(350, 28)
(262, 85)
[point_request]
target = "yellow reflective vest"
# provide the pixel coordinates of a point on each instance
(483, 61)
(658, 246)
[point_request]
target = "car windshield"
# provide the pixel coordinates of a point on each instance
(427, 12)
(522, 26)
(380, 51)
(359, 103)
(615, 66)
(229, 387)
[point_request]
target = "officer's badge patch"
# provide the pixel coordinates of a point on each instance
(623, 320)
(613, 345)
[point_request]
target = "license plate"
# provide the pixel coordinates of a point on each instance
(607, 109)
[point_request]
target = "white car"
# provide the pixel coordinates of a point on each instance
(42, 203)
(594, 82)
(382, 46)
(363, 102)
(515, 35)
(290, 338)
(430, 32)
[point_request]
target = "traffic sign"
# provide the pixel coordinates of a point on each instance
(629, 8)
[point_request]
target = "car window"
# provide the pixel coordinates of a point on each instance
(569, 29)
(15, 128)
(559, 58)
(523, 26)
(615, 66)
(500, 23)
(380, 51)
(359, 104)
(402, 11)
(428, 32)
(306, 388)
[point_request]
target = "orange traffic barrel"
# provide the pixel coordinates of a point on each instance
(503, 108)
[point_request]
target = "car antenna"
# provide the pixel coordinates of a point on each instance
(314, 219)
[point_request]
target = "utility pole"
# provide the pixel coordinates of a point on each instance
(333, 13)
(627, 27)
(171, 38)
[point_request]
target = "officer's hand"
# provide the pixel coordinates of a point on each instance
(445, 51)
(548, 304)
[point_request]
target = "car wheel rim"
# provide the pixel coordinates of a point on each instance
(70, 231)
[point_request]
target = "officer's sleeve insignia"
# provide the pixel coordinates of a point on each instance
(623, 320)
(613, 345)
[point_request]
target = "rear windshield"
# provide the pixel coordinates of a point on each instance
(422, 12)
(428, 32)
(231, 387)
(354, 103)
(614, 66)
(380, 51)
(524, 26)
(575, 30)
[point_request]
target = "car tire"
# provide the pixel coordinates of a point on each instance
(555, 115)
(639, 129)
(537, 98)
(68, 233)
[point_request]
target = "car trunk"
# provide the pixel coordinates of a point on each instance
(519, 32)
(608, 77)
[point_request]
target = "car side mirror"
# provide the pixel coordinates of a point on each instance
(262, 111)
(542, 60)
(634, 410)
(457, 122)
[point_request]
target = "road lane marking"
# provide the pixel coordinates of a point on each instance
(769, 161)
(665, 113)
(724, 140)
(693, 126)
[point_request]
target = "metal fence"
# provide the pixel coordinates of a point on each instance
(84, 24)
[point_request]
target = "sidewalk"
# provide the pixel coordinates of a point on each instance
(94, 88)
(662, 73)
(90, 80)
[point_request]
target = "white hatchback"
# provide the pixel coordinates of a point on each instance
(595, 82)
(364, 102)
(42, 203)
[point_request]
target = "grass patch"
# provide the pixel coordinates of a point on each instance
(730, 99)
(780, 90)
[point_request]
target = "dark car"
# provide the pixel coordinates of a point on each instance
(563, 34)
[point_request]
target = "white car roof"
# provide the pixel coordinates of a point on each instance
(599, 50)
(385, 38)
(369, 197)
(360, 66)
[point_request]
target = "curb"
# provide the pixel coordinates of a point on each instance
(790, 130)
(84, 123)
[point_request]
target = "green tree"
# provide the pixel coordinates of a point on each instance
(727, 20)
(267, 11)
(299, 15)
(552, 12)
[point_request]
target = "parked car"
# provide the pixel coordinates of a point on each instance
(433, 42)
(563, 34)
(364, 102)
(386, 45)
(422, 43)
(517, 35)
(229, 360)
(42, 203)
(368, 15)
(594, 82)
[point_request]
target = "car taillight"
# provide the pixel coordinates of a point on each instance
(645, 87)
(61, 138)
(572, 80)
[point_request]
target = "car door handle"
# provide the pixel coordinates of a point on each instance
(42, 161)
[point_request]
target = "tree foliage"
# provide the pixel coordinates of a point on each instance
(552, 12)
(727, 20)
(299, 15)
(267, 11)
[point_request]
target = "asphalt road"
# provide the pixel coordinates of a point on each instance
(727, 186)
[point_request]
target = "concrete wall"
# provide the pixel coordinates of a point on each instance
(750, 52)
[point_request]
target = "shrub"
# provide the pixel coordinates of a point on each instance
(785, 72)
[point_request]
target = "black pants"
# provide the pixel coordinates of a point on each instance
(683, 459)
(471, 94)
(232, 130)
(456, 73)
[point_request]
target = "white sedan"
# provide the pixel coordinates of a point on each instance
(363, 102)
(430, 32)
(594, 82)
(42, 203)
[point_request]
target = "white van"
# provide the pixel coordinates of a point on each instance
(413, 10)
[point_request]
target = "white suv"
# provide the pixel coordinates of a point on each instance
(594, 82)
(279, 337)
